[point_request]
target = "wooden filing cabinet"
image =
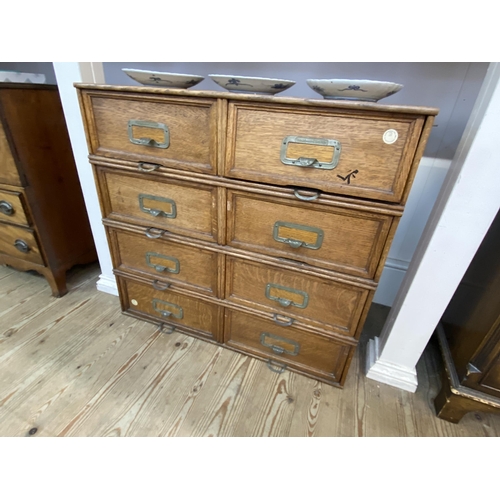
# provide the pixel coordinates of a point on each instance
(43, 222)
(260, 223)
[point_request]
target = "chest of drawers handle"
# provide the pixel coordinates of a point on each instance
(159, 268)
(148, 141)
(6, 208)
(22, 246)
(278, 349)
(299, 196)
(158, 285)
(276, 367)
(154, 236)
(147, 167)
(281, 229)
(155, 211)
(176, 313)
(310, 162)
(283, 301)
(168, 330)
(288, 321)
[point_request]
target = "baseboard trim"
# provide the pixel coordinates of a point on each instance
(107, 284)
(388, 373)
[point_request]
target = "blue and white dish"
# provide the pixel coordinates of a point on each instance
(252, 84)
(162, 79)
(354, 90)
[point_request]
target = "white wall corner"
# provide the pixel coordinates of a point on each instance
(386, 372)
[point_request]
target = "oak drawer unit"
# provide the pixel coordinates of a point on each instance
(43, 222)
(259, 223)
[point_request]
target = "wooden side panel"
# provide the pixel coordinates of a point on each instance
(8, 170)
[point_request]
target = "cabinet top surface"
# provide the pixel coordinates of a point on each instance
(325, 103)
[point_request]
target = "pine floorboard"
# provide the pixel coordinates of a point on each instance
(75, 366)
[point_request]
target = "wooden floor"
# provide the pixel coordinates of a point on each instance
(76, 366)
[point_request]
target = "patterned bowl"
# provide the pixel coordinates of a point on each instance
(162, 79)
(354, 90)
(252, 85)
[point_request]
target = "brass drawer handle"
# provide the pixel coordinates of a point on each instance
(154, 236)
(153, 209)
(159, 268)
(279, 349)
(310, 162)
(157, 285)
(276, 367)
(175, 311)
(148, 141)
(6, 208)
(284, 301)
(283, 230)
(288, 321)
(22, 246)
(306, 198)
(147, 167)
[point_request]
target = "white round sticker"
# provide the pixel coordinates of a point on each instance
(390, 136)
(134, 302)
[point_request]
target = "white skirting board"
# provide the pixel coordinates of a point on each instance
(107, 284)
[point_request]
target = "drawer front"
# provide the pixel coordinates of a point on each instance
(349, 241)
(11, 207)
(20, 243)
(202, 318)
(169, 262)
(315, 301)
(285, 346)
(8, 170)
(365, 156)
(179, 207)
(174, 132)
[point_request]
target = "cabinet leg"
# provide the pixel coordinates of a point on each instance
(452, 407)
(57, 282)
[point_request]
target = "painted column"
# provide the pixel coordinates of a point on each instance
(67, 74)
(465, 208)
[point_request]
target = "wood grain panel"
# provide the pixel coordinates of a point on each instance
(197, 269)
(197, 315)
(8, 170)
(192, 126)
(368, 167)
(329, 304)
(8, 237)
(353, 240)
(316, 354)
(196, 206)
(15, 200)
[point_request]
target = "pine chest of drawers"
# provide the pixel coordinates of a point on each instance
(260, 223)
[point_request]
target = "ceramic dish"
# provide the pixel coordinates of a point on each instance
(354, 90)
(251, 84)
(162, 79)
